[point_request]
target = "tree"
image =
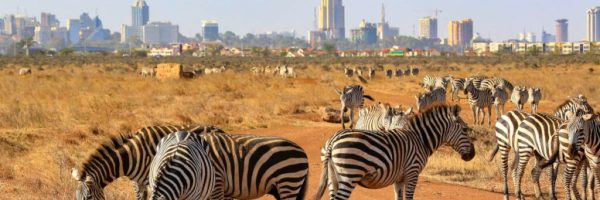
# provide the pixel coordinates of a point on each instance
(329, 48)
(66, 52)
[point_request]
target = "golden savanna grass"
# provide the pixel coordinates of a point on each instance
(52, 120)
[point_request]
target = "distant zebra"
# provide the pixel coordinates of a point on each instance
(535, 95)
(352, 97)
(407, 72)
(382, 117)
(456, 84)
(435, 96)
(374, 159)
(519, 97)
(371, 73)
(148, 72)
(389, 73)
(398, 73)
(415, 71)
(500, 97)
(181, 168)
(348, 72)
(478, 100)
(477, 80)
(494, 82)
(359, 71)
(536, 136)
(430, 82)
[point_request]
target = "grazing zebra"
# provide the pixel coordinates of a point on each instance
(535, 134)
(478, 100)
(437, 95)
(245, 154)
(430, 82)
(500, 97)
(535, 95)
(374, 159)
(398, 73)
(371, 73)
(407, 71)
(181, 168)
(25, 71)
(415, 71)
(519, 97)
(352, 97)
(100, 168)
(457, 84)
(348, 72)
(382, 117)
(148, 71)
(359, 71)
(389, 73)
(477, 80)
(494, 82)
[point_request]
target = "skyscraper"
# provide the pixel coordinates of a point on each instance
(593, 24)
(73, 27)
(547, 37)
(210, 30)
(331, 19)
(460, 33)
(10, 25)
(384, 31)
(140, 14)
(428, 28)
(48, 19)
(365, 33)
(562, 30)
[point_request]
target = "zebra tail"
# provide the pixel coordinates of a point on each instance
(323, 182)
(362, 79)
(368, 97)
(493, 153)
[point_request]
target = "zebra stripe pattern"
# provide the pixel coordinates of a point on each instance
(348, 72)
(431, 82)
(382, 117)
(535, 95)
(478, 100)
(437, 95)
(519, 97)
(351, 97)
(181, 168)
(377, 159)
(456, 84)
(500, 97)
(371, 73)
(494, 82)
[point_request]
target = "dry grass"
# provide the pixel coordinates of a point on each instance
(53, 119)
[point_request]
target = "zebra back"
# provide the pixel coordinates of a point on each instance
(571, 105)
(382, 117)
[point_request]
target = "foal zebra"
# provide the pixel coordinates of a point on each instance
(181, 168)
(235, 158)
(535, 95)
(478, 100)
(382, 117)
(351, 97)
(376, 159)
(519, 97)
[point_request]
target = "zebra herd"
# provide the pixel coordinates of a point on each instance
(283, 71)
(370, 72)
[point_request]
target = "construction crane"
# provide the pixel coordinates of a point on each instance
(436, 12)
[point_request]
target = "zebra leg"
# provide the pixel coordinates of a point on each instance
(522, 159)
(504, 168)
(489, 115)
(398, 190)
(570, 178)
(343, 110)
(141, 191)
(345, 187)
(351, 118)
(475, 114)
(535, 177)
(411, 185)
(552, 175)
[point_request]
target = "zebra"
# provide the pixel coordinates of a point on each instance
(431, 82)
(25, 71)
(519, 97)
(477, 80)
(407, 71)
(375, 159)
(590, 131)
(535, 95)
(456, 84)
(478, 100)
(437, 95)
(229, 153)
(535, 134)
(506, 131)
(398, 73)
(351, 97)
(382, 117)
(371, 73)
(500, 97)
(389, 73)
(348, 72)
(181, 168)
(359, 71)
(415, 71)
(148, 71)
(491, 83)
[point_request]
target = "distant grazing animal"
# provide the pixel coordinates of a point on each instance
(389, 73)
(519, 97)
(181, 168)
(535, 95)
(348, 72)
(398, 73)
(456, 85)
(359, 71)
(352, 97)
(148, 72)
(24, 71)
(371, 73)
(491, 83)
(382, 117)
(431, 82)
(500, 97)
(376, 159)
(415, 71)
(478, 100)
(257, 71)
(435, 96)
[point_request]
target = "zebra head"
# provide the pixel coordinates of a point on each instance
(400, 119)
(456, 135)
(87, 187)
(468, 86)
(574, 125)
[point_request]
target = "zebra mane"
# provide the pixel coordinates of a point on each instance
(114, 142)
(566, 103)
(432, 108)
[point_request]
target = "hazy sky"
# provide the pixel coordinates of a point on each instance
(498, 19)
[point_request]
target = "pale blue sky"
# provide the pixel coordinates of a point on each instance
(498, 19)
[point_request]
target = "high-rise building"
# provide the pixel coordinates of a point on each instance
(86, 21)
(160, 33)
(428, 28)
(547, 37)
(527, 37)
(73, 27)
(562, 30)
(331, 19)
(210, 30)
(593, 24)
(315, 38)
(10, 25)
(460, 33)
(366, 33)
(48, 19)
(384, 31)
(1, 26)
(140, 13)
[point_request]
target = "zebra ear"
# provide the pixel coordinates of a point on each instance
(408, 111)
(456, 110)
(75, 173)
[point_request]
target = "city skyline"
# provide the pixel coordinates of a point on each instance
(492, 18)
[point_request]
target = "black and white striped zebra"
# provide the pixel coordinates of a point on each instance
(181, 168)
(229, 153)
(477, 80)
(352, 97)
(389, 73)
(348, 72)
(414, 71)
(519, 97)
(491, 83)
(431, 82)
(478, 100)
(376, 159)
(371, 73)
(591, 143)
(535, 95)
(399, 73)
(426, 99)
(456, 85)
(534, 137)
(500, 97)
(382, 117)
